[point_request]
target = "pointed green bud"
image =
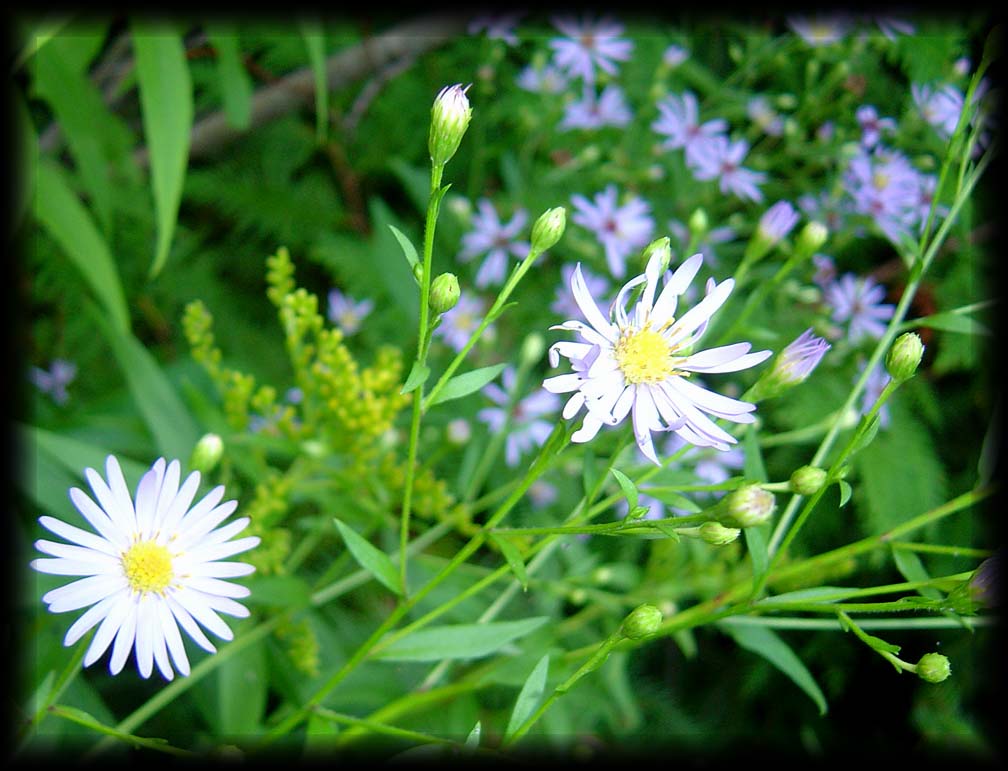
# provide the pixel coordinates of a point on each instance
(811, 239)
(660, 248)
(717, 534)
(450, 117)
(698, 224)
(444, 293)
(933, 668)
(532, 349)
(418, 273)
(548, 228)
(746, 506)
(904, 356)
(206, 453)
(642, 621)
(807, 480)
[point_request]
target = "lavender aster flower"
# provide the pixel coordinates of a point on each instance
(884, 186)
(940, 107)
(777, 222)
(526, 426)
(54, 382)
(589, 44)
(497, 26)
(607, 109)
(461, 321)
(347, 314)
(763, 115)
(620, 229)
(640, 362)
(821, 29)
(872, 125)
(825, 272)
(798, 359)
(496, 240)
(721, 158)
(547, 79)
(858, 302)
(674, 55)
(679, 120)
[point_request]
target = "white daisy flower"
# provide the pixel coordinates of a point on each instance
(151, 568)
(641, 361)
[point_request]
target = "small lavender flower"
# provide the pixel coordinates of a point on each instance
(858, 302)
(499, 26)
(802, 356)
(588, 44)
(346, 313)
(496, 240)
(620, 229)
(877, 380)
(891, 27)
(940, 107)
(458, 324)
(763, 115)
(54, 382)
(590, 112)
(820, 29)
(526, 427)
(679, 120)
(721, 159)
(706, 244)
(777, 222)
(825, 208)
(542, 493)
(565, 305)
(548, 79)
(872, 125)
(884, 186)
(825, 270)
(674, 55)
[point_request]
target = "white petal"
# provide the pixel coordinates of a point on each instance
(587, 332)
(75, 553)
(722, 359)
(618, 307)
(124, 640)
(196, 605)
(569, 349)
(645, 415)
(188, 624)
(160, 649)
(624, 403)
(146, 498)
(122, 514)
(227, 605)
(173, 639)
(573, 405)
(213, 586)
(108, 629)
(108, 502)
(225, 533)
(587, 305)
(78, 536)
(221, 570)
(145, 631)
(179, 506)
(589, 427)
(708, 401)
(205, 505)
(696, 420)
(700, 312)
(91, 616)
(560, 384)
(194, 531)
(68, 567)
(98, 519)
(166, 496)
(81, 593)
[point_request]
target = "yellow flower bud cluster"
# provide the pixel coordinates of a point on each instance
(301, 644)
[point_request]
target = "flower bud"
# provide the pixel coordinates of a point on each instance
(811, 239)
(661, 250)
(206, 453)
(747, 506)
(458, 431)
(807, 480)
(548, 228)
(717, 534)
(532, 349)
(933, 668)
(904, 357)
(792, 366)
(698, 224)
(418, 273)
(444, 293)
(450, 117)
(641, 622)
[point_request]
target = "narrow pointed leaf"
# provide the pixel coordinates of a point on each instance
(409, 251)
(371, 558)
(627, 486)
(459, 641)
(233, 81)
(418, 375)
(529, 697)
(314, 39)
(513, 557)
(467, 383)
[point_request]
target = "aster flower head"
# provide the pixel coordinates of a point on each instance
(940, 107)
(640, 362)
(885, 186)
(620, 229)
(54, 381)
(499, 26)
(858, 303)
(720, 158)
(792, 366)
(347, 313)
(777, 222)
(496, 240)
(151, 565)
(872, 126)
(548, 79)
(674, 55)
(526, 424)
(589, 43)
(821, 29)
(458, 324)
(679, 121)
(763, 115)
(590, 112)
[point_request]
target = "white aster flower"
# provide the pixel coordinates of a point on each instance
(641, 362)
(589, 43)
(152, 567)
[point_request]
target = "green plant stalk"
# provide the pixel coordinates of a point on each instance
(423, 345)
(381, 728)
(831, 625)
(70, 672)
(930, 548)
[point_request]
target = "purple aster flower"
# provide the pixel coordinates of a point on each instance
(763, 115)
(720, 158)
(777, 222)
(498, 26)
(526, 427)
(798, 359)
(674, 55)
(821, 29)
(872, 125)
(589, 44)
(825, 208)
(458, 324)
(346, 313)
(54, 382)
(825, 272)
(858, 302)
(925, 199)
(884, 186)
(565, 305)
(547, 79)
(877, 380)
(940, 107)
(489, 236)
(891, 27)
(706, 244)
(679, 120)
(620, 229)
(607, 109)
(640, 362)
(542, 493)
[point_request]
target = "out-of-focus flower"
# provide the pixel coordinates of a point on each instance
(679, 120)
(564, 305)
(495, 239)
(590, 112)
(891, 27)
(826, 208)
(858, 303)
(940, 107)
(587, 44)
(720, 158)
(548, 79)
(639, 362)
(674, 55)
(347, 313)
(152, 566)
(54, 381)
(777, 221)
(763, 115)
(525, 424)
(620, 229)
(826, 272)
(885, 186)
(498, 26)
(461, 321)
(821, 29)
(872, 125)
(542, 493)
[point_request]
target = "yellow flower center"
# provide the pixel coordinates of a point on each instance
(644, 356)
(880, 180)
(148, 566)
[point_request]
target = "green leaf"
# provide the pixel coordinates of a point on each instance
(912, 569)
(80, 717)
(768, 644)
(278, 591)
(472, 740)
(234, 82)
(39, 33)
(314, 39)
(26, 161)
(678, 500)
(64, 217)
(467, 383)
(866, 432)
(845, 491)
(372, 559)
(166, 105)
(628, 487)
(756, 544)
(459, 641)
(173, 428)
(513, 557)
(951, 321)
(409, 251)
(418, 375)
(529, 697)
(667, 528)
(752, 459)
(242, 686)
